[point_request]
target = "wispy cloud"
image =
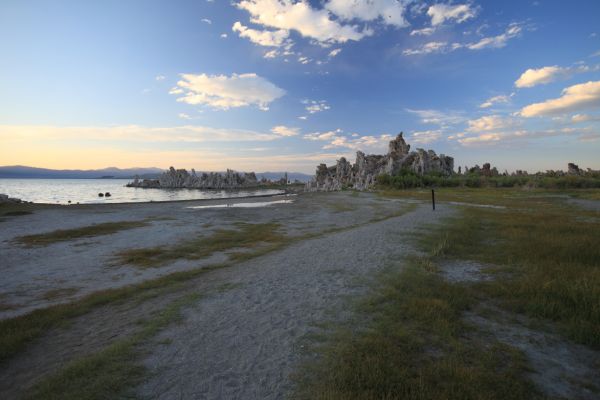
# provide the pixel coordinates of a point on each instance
(437, 117)
(137, 133)
(286, 131)
(315, 106)
(458, 13)
(501, 99)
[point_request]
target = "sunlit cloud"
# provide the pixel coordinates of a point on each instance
(533, 77)
(225, 92)
(458, 13)
(574, 99)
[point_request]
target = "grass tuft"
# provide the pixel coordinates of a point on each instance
(247, 236)
(111, 372)
(414, 345)
(62, 235)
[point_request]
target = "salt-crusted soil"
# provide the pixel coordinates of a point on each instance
(35, 277)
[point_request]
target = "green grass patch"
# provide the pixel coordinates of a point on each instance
(16, 333)
(413, 345)
(112, 372)
(246, 236)
(62, 235)
(548, 259)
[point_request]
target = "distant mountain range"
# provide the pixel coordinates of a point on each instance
(23, 172)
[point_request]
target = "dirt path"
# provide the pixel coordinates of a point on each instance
(354, 249)
(244, 343)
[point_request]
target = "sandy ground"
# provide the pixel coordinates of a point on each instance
(36, 277)
(247, 333)
(245, 342)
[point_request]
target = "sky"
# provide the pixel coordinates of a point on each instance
(283, 85)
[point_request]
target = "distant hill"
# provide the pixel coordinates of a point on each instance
(23, 172)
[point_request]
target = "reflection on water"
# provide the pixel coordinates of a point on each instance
(246, 205)
(84, 191)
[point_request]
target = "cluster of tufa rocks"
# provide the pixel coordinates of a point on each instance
(181, 178)
(4, 199)
(363, 173)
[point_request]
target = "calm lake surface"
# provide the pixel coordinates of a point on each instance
(86, 191)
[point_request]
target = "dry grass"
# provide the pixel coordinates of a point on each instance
(413, 344)
(247, 236)
(112, 372)
(409, 340)
(62, 235)
(548, 259)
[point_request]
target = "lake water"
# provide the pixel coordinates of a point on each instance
(86, 191)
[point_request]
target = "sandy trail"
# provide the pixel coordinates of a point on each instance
(244, 343)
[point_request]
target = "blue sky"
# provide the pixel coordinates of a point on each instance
(284, 85)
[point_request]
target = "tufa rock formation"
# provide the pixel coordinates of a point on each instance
(181, 178)
(364, 172)
(5, 199)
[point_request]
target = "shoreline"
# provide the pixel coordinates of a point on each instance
(82, 205)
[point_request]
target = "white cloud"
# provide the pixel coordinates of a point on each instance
(285, 131)
(261, 38)
(334, 52)
(574, 98)
(224, 92)
(495, 100)
(427, 48)
(303, 117)
(335, 139)
(206, 20)
(423, 32)
(440, 13)
(367, 144)
(304, 60)
(322, 136)
(483, 138)
(544, 75)
(184, 116)
(496, 42)
(223, 36)
(490, 123)
(301, 17)
(499, 41)
(389, 12)
(160, 77)
(505, 137)
(435, 117)
(315, 106)
(425, 137)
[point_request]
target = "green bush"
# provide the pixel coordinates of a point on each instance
(406, 179)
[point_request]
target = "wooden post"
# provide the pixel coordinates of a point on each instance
(433, 199)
